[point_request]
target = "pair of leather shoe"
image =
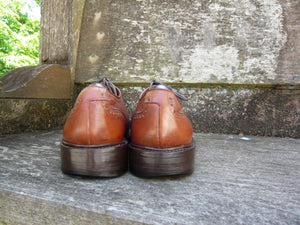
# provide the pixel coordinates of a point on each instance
(96, 132)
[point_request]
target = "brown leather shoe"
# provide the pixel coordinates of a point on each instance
(93, 138)
(161, 134)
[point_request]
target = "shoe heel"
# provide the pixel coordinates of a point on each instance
(98, 160)
(153, 162)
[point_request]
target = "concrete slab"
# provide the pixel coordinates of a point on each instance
(237, 180)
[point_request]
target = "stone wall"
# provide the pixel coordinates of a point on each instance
(34, 98)
(238, 61)
(241, 42)
(21, 115)
(233, 109)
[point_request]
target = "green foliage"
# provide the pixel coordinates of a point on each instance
(19, 36)
(38, 2)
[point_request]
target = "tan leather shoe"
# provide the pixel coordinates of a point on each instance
(93, 137)
(161, 134)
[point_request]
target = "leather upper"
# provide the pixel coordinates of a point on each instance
(159, 121)
(98, 117)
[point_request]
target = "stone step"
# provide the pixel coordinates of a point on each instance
(237, 180)
(34, 98)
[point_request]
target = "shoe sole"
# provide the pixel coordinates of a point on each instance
(108, 160)
(153, 162)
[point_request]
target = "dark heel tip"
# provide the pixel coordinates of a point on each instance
(94, 175)
(150, 162)
(94, 161)
(154, 175)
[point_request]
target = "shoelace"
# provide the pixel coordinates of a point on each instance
(111, 87)
(180, 96)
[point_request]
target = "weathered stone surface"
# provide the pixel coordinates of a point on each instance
(207, 45)
(248, 42)
(55, 35)
(288, 64)
(77, 14)
(34, 98)
(18, 115)
(252, 110)
(43, 81)
(37, 211)
(237, 180)
(248, 110)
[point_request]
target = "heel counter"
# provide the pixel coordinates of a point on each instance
(106, 124)
(75, 128)
(176, 128)
(145, 126)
